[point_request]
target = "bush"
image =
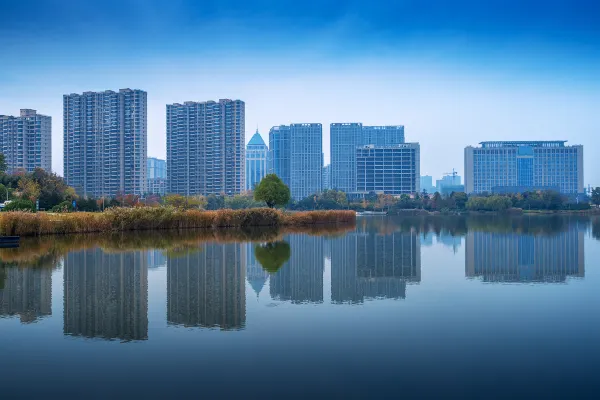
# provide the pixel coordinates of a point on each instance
(65, 206)
(20, 205)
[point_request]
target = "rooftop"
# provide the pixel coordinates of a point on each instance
(518, 143)
(256, 140)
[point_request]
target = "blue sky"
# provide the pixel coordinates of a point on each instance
(453, 72)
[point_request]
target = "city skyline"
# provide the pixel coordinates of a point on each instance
(437, 69)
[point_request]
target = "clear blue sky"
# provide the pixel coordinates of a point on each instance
(453, 72)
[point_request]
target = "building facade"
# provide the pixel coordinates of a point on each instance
(296, 156)
(256, 161)
(327, 177)
(157, 176)
(345, 138)
(426, 184)
(26, 141)
(105, 142)
(519, 166)
(206, 147)
(393, 170)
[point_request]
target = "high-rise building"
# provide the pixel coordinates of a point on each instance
(26, 292)
(512, 257)
(296, 156)
(517, 166)
(345, 138)
(205, 147)
(26, 141)
(157, 176)
(327, 177)
(279, 152)
(206, 287)
(426, 184)
(393, 170)
(106, 294)
(105, 142)
(256, 161)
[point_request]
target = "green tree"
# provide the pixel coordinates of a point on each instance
(596, 196)
(3, 193)
(20, 205)
(29, 189)
(460, 199)
(53, 189)
(272, 191)
(3, 166)
(272, 256)
(189, 202)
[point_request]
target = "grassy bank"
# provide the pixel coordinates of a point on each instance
(157, 218)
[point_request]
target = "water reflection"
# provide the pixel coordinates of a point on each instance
(206, 288)
(106, 294)
(25, 292)
(509, 257)
(256, 275)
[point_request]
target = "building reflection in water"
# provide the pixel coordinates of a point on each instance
(157, 259)
(370, 265)
(300, 280)
(106, 294)
(508, 257)
(255, 274)
(25, 292)
(206, 287)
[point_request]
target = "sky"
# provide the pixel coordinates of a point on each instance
(454, 73)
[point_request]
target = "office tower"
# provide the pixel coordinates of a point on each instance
(345, 138)
(256, 161)
(369, 265)
(527, 257)
(426, 184)
(449, 183)
(157, 176)
(206, 287)
(296, 156)
(26, 292)
(106, 294)
(518, 166)
(205, 147)
(26, 141)
(300, 279)
(393, 170)
(279, 152)
(327, 177)
(105, 140)
(255, 273)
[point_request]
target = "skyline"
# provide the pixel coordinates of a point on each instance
(453, 75)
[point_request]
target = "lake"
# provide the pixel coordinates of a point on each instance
(452, 307)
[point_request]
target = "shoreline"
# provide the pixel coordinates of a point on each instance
(18, 223)
(509, 212)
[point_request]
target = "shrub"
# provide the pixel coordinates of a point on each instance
(20, 205)
(65, 206)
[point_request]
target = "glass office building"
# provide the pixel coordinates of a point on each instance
(157, 176)
(391, 170)
(345, 138)
(26, 141)
(105, 142)
(518, 166)
(296, 156)
(256, 161)
(206, 147)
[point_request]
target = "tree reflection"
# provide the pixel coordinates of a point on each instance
(273, 255)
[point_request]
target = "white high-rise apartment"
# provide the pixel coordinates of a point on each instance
(105, 142)
(26, 141)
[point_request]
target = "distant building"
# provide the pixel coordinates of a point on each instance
(256, 161)
(391, 170)
(105, 141)
(345, 138)
(295, 155)
(26, 141)
(327, 177)
(426, 184)
(157, 176)
(206, 147)
(518, 166)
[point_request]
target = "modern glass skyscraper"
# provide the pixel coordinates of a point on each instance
(295, 155)
(105, 142)
(26, 141)
(517, 166)
(345, 138)
(256, 161)
(327, 177)
(205, 147)
(157, 176)
(391, 170)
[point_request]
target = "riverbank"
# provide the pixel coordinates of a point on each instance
(509, 212)
(19, 223)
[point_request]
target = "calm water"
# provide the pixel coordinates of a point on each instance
(447, 307)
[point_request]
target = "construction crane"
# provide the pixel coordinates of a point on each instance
(453, 174)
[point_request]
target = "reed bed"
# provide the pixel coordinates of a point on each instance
(20, 223)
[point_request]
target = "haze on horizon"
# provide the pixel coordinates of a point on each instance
(453, 72)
